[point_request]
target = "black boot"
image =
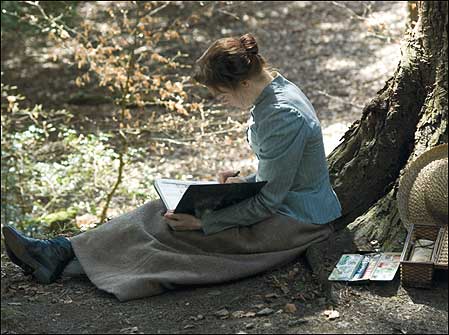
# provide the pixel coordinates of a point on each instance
(26, 269)
(45, 258)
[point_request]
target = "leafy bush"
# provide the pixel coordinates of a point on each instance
(52, 173)
(17, 17)
(52, 168)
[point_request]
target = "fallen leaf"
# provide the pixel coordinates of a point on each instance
(130, 330)
(222, 312)
(86, 221)
(249, 325)
(295, 323)
(238, 314)
(331, 314)
(68, 301)
(265, 311)
(271, 296)
(196, 318)
(290, 308)
(249, 314)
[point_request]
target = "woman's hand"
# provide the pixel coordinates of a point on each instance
(230, 177)
(182, 222)
(235, 180)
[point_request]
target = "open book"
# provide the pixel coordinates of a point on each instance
(376, 267)
(198, 197)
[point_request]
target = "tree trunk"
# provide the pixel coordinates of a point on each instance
(406, 118)
(412, 7)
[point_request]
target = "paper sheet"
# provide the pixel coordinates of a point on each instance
(172, 190)
(386, 267)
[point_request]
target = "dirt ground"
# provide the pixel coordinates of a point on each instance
(253, 305)
(340, 54)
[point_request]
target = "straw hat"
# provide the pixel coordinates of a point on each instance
(422, 195)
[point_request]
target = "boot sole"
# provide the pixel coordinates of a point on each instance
(13, 258)
(41, 273)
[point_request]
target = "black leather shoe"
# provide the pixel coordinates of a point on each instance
(45, 258)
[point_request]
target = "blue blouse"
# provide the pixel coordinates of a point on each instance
(285, 135)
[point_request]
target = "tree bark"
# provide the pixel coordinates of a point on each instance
(407, 117)
(412, 7)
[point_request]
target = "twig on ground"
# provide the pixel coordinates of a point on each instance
(340, 99)
(229, 14)
(353, 13)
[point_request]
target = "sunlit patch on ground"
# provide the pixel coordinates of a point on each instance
(333, 134)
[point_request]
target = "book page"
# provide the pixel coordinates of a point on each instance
(367, 267)
(373, 259)
(172, 190)
(362, 269)
(346, 267)
(387, 266)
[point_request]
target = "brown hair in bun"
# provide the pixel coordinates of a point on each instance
(228, 61)
(249, 43)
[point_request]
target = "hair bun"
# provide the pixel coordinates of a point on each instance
(249, 43)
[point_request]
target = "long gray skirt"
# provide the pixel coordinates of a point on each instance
(137, 254)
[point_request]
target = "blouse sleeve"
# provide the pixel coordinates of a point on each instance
(250, 178)
(281, 139)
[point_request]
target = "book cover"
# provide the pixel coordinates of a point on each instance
(197, 197)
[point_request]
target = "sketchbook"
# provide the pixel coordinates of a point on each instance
(198, 197)
(374, 266)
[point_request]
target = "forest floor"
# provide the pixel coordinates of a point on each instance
(253, 305)
(340, 54)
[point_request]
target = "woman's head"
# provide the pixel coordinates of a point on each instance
(231, 68)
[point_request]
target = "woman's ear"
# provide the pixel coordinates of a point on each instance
(245, 83)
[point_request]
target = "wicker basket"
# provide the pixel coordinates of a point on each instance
(441, 260)
(420, 274)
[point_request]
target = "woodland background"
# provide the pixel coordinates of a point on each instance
(97, 98)
(97, 101)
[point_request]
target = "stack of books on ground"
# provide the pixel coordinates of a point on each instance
(367, 267)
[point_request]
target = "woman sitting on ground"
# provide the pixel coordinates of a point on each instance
(143, 253)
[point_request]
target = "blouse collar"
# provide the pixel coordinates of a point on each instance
(268, 90)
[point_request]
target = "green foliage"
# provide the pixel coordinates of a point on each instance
(46, 183)
(21, 17)
(134, 50)
(61, 221)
